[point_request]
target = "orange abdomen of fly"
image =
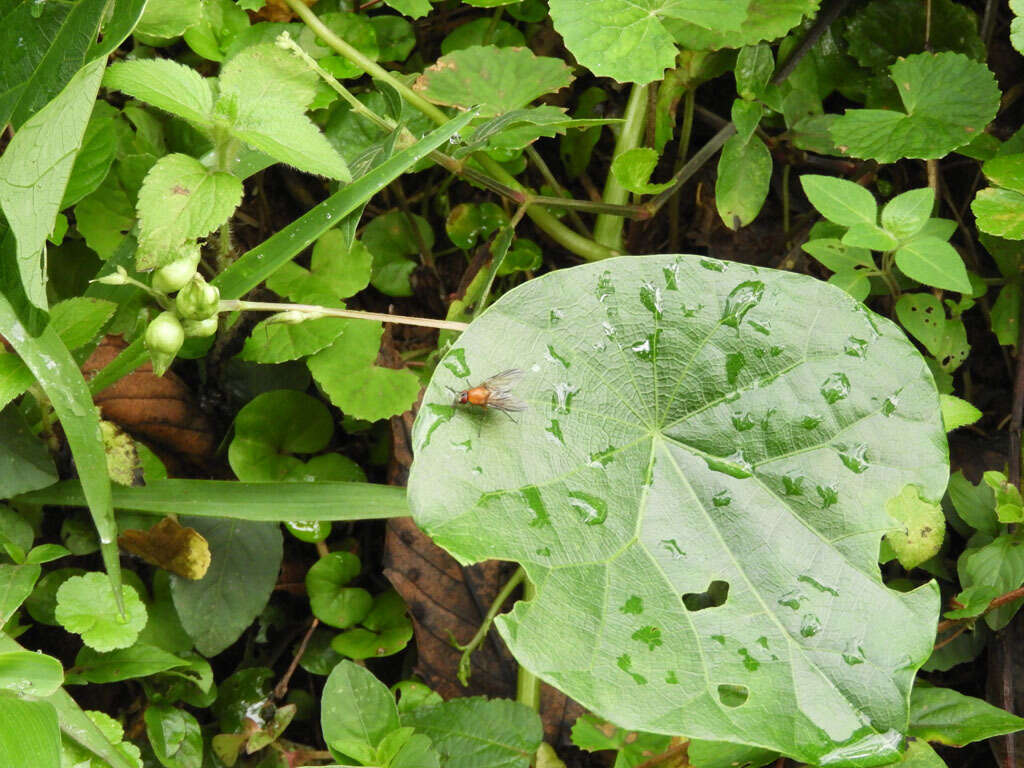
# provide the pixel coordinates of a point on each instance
(475, 396)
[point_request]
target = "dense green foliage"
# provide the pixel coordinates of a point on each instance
(749, 522)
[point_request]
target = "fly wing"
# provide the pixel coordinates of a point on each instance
(504, 381)
(500, 388)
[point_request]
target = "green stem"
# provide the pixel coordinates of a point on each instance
(485, 625)
(528, 684)
(693, 165)
(608, 228)
(556, 230)
(685, 133)
(313, 311)
(365, 63)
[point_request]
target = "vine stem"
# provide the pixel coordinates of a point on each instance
(485, 625)
(313, 311)
(549, 224)
(527, 683)
(608, 228)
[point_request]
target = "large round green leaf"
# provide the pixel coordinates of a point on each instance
(697, 491)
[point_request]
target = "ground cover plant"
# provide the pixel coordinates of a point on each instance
(492, 385)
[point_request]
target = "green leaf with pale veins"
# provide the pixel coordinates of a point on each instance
(764, 20)
(697, 491)
(1000, 212)
(34, 171)
(922, 527)
(264, 92)
(348, 375)
(480, 733)
(166, 85)
(86, 605)
(948, 98)
(244, 560)
(934, 262)
(181, 200)
(840, 201)
(949, 717)
(497, 79)
(633, 41)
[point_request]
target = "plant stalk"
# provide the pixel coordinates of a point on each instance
(527, 683)
(608, 228)
(313, 311)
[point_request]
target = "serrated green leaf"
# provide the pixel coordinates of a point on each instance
(885, 30)
(906, 214)
(633, 169)
(594, 734)
(181, 200)
(34, 172)
(922, 527)
(264, 92)
(1006, 171)
(245, 559)
(839, 200)
(273, 426)
(974, 504)
(497, 79)
(949, 717)
(1000, 212)
(105, 217)
(480, 733)
(744, 172)
(673, 396)
(165, 84)
(79, 319)
(86, 606)
(632, 42)
(948, 99)
(220, 21)
(272, 342)
(347, 374)
(934, 262)
(957, 412)
(764, 20)
(482, 32)
(1017, 25)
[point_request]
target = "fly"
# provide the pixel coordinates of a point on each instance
(495, 392)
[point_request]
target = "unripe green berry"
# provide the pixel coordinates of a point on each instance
(172, 277)
(197, 300)
(164, 337)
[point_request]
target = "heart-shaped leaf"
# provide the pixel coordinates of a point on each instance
(697, 491)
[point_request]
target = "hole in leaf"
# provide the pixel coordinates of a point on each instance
(733, 695)
(714, 596)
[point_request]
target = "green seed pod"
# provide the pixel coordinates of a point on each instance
(164, 338)
(197, 300)
(172, 277)
(205, 327)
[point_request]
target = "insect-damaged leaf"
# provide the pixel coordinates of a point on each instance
(697, 491)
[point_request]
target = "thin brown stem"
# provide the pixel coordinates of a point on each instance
(282, 686)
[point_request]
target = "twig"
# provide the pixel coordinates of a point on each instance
(313, 311)
(485, 625)
(282, 686)
(679, 750)
(821, 23)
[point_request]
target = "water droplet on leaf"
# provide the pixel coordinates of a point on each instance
(810, 421)
(835, 388)
(741, 300)
(650, 297)
(531, 495)
(856, 347)
(853, 458)
(741, 422)
(734, 363)
(735, 465)
(591, 509)
(810, 625)
(721, 499)
(562, 399)
(455, 362)
(554, 430)
(714, 266)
